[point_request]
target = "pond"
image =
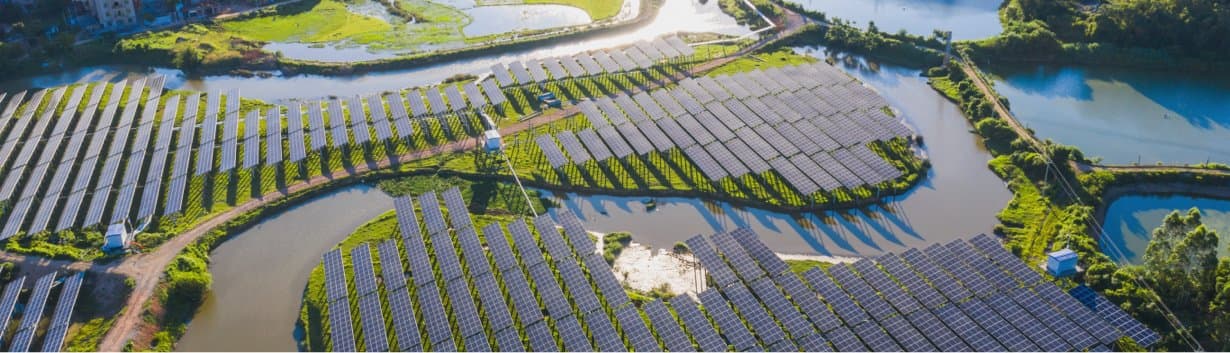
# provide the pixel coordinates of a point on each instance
(959, 198)
(681, 15)
(967, 19)
(259, 274)
(1122, 115)
(1130, 221)
(490, 20)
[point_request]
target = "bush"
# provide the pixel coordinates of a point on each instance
(613, 244)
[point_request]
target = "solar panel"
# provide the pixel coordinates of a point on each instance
(964, 327)
(337, 124)
(711, 261)
(1079, 314)
(642, 61)
(1026, 323)
(335, 275)
(1056, 321)
(715, 126)
(438, 331)
(446, 257)
(401, 119)
(436, 102)
(694, 129)
(639, 143)
(866, 296)
(680, 46)
(733, 86)
(698, 93)
(698, 326)
(630, 108)
(501, 74)
(53, 340)
(572, 66)
(273, 136)
(790, 318)
(751, 310)
(741, 152)
(671, 129)
(667, 50)
(32, 313)
(613, 140)
(690, 104)
(625, 63)
(477, 343)
(886, 287)
(849, 312)
(9, 300)
(19, 164)
(552, 239)
(251, 140)
(608, 64)
(907, 335)
(405, 326)
(612, 292)
(612, 111)
(433, 217)
(830, 167)
(876, 339)
(573, 336)
(576, 151)
(525, 244)
(175, 196)
(551, 151)
(589, 64)
(649, 51)
(594, 144)
(727, 160)
(605, 337)
(316, 124)
(557, 71)
(636, 331)
(493, 92)
(730, 325)
(341, 333)
(1115, 316)
(358, 120)
(966, 275)
(518, 286)
(540, 338)
(418, 108)
(575, 232)
(1006, 261)
(743, 264)
(923, 292)
(656, 136)
(715, 90)
(981, 264)
(520, 73)
(667, 328)
(462, 305)
(552, 296)
(536, 71)
(496, 312)
(667, 103)
(458, 213)
(708, 166)
(808, 302)
(455, 99)
(508, 340)
(765, 81)
(371, 315)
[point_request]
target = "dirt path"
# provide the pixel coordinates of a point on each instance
(146, 269)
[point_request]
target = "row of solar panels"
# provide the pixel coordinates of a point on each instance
(80, 139)
(639, 56)
(953, 297)
(732, 139)
(32, 311)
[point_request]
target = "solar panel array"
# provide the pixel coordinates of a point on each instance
(638, 56)
(794, 130)
(143, 152)
(894, 303)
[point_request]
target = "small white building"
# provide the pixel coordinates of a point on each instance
(493, 143)
(117, 238)
(113, 14)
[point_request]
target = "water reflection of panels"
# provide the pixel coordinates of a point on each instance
(676, 133)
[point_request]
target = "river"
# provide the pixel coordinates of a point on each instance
(261, 272)
(1123, 116)
(967, 19)
(681, 15)
(1130, 221)
(958, 199)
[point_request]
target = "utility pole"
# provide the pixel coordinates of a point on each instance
(947, 46)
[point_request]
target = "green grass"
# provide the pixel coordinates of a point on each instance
(597, 9)
(777, 58)
(800, 266)
(328, 21)
(613, 244)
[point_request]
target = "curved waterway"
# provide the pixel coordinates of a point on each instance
(958, 199)
(967, 19)
(259, 274)
(677, 16)
(1130, 221)
(1123, 115)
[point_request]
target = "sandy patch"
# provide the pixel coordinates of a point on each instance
(643, 268)
(828, 259)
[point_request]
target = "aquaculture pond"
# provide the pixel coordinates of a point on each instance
(260, 273)
(1130, 221)
(959, 197)
(1123, 115)
(680, 15)
(967, 19)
